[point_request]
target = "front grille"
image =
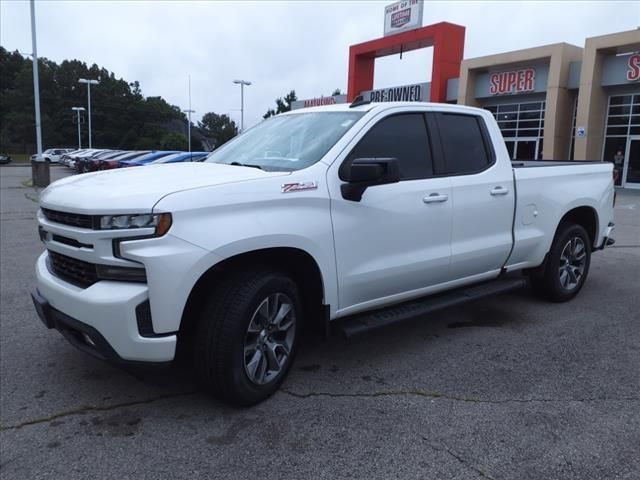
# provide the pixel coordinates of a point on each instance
(80, 273)
(73, 219)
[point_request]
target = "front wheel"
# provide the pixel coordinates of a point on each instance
(247, 336)
(567, 265)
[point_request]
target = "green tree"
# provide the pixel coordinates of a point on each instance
(121, 116)
(219, 127)
(282, 104)
(174, 141)
(336, 92)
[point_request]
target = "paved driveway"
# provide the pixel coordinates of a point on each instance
(506, 388)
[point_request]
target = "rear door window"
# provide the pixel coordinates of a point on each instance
(464, 143)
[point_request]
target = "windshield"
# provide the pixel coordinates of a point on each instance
(287, 142)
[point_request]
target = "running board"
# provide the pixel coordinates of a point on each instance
(365, 322)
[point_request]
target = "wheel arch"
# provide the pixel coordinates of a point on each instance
(297, 263)
(585, 216)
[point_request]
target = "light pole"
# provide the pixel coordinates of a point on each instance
(89, 83)
(242, 83)
(189, 112)
(36, 80)
(78, 110)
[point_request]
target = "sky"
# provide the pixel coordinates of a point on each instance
(278, 46)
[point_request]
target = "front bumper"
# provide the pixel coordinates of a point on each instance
(105, 312)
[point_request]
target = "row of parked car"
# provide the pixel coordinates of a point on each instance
(91, 160)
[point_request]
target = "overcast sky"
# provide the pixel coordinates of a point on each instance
(278, 46)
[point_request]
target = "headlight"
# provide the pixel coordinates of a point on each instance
(161, 222)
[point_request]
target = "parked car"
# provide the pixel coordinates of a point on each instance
(182, 157)
(53, 155)
(4, 159)
(113, 162)
(94, 162)
(354, 216)
(149, 157)
(173, 158)
(87, 162)
(66, 159)
(78, 158)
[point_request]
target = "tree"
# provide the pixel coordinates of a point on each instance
(282, 104)
(175, 141)
(218, 127)
(336, 92)
(121, 116)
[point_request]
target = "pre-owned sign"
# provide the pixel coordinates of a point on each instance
(401, 16)
(418, 92)
(514, 81)
(633, 73)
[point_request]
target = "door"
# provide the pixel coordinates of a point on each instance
(631, 172)
(483, 196)
(396, 239)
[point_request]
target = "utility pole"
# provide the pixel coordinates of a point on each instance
(189, 111)
(36, 80)
(89, 83)
(242, 83)
(40, 175)
(78, 110)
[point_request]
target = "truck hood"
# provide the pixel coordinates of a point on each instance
(135, 190)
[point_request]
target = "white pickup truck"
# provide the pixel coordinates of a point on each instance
(363, 213)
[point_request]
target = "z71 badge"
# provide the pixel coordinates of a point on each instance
(298, 186)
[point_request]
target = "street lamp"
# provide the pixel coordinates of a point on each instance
(78, 110)
(242, 83)
(189, 111)
(36, 80)
(89, 83)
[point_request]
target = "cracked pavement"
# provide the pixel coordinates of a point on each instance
(505, 388)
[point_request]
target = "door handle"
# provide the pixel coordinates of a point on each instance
(435, 198)
(499, 191)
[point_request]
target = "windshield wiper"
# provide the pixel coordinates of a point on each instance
(246, 165)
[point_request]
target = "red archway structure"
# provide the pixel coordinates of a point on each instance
(446, 39)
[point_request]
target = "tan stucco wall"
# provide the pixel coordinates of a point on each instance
(592, 100)
(559, 106)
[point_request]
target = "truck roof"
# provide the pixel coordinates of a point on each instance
(378, 106)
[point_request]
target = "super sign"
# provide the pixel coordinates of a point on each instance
(516, 81)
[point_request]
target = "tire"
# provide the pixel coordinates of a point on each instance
(235, 354)
(567, 265)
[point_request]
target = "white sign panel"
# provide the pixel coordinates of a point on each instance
(402, 16)
(417, 92)
(581, 132)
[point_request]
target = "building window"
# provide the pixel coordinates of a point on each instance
(522, 126)
(623, 120)
(573, 129)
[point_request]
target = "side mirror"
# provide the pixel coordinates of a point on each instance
(362, 173)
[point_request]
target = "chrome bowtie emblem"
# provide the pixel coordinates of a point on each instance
(298, 186)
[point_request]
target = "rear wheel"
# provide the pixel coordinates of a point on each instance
(567, 265)
(247, 336)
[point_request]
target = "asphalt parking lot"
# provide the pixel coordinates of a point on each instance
(506, 388)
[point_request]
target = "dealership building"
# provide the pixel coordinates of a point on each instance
(555, 101)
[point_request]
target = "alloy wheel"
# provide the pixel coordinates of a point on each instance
(269, 338)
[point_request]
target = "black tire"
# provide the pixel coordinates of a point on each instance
(222, 334)
(559, 281)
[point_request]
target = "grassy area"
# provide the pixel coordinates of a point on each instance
(19, 157)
